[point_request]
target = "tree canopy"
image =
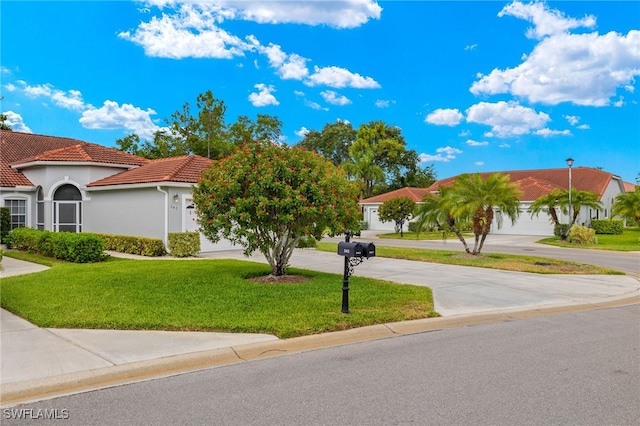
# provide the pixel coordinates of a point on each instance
(266, 197)
(627, 206)
(398, 210)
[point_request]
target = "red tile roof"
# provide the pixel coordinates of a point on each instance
(629, 187)
(20, 148)
(415, 194)
(175, 169)
(536, 183)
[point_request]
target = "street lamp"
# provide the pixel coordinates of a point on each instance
(570, 164)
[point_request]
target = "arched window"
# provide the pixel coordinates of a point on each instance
(67, 209)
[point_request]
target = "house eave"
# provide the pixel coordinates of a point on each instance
(18, 166)
(18, 188)
(138, 186)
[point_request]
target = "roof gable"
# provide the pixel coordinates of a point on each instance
(187, 168)
(18, 148)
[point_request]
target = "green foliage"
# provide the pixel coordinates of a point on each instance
(332, 142)
(607, 226)
(184, 244)
(307, 242)
(78, 248)
(582, 235)
(627, 206)
(561, 230)
(5, 224)
(549, 203)
(266, 197)
(397, 209)
(133, 245)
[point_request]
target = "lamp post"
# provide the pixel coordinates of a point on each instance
(570, 164)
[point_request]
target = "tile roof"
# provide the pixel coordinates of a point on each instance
(536, 183)
(415, 194)
(20, 148)
(629, 187)
(186, 168)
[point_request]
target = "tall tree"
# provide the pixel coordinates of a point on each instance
(266, 197)
(363, 168)
(550, 203)
(627, 206)
(578, 200)
(4, 125)
(479, 199)
(266, 128)
(332, 142)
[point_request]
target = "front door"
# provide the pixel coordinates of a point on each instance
(66, 216)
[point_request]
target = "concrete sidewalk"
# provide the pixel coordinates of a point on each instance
(39, 363)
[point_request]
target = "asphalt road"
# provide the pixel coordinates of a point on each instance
(572, 369)
(628, 262)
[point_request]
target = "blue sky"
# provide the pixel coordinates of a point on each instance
(474, 86)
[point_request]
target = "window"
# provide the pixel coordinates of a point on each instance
(67, 209)
(40, 210)
(18, 209)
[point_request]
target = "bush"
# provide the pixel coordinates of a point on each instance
(607, 226)
(307, 242)
(5, 224)
(184, 244)
(141, 246)
(582, 235)
(364, 225)
(561, 230)
(78, 248)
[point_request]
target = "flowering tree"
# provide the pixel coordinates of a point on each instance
(397, 209)
(266, 197)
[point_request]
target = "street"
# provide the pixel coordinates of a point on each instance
(580, 368)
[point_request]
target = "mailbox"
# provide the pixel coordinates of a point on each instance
(356, 249)
(350, 249)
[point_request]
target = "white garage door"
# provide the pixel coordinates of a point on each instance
(525, 225)
(190, 224)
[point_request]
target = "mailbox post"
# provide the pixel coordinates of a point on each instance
(354, 254)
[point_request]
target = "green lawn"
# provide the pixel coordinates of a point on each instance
(204, 295)
(629, 240)
(415, 236)
(507, 262)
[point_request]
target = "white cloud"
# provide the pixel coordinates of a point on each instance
(504, 145)
(506, 119)
(584, 127)
(572, 119)
(334, 99)
(295, 68)
(547, 133)
(479, 163)
(298, 93)
(302, 132)
(471, 47)
(192, 31)
(444, 154)
(546, 21)
(471, 142)
(9, 87)
(447, 117)
(264, 96)
(383, 103)
(113, 116)
(71, 99)
(16, 122)
(314, 105)
(340, 77)
(584, 69)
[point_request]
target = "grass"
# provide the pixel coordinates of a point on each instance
(204, 295)
(507, 262)
(414, 236)
(629, 240)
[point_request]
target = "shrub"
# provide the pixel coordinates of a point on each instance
(5, 224)
(561, 230)
(582, 235)
(364, 225)
(184, 244)
(78, 248)
(607, 226)
(141, 246)
(307, 242)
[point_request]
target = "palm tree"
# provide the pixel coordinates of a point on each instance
(579, 199)
(363, 167)
(435, 212)
(479, 199)
(548, 202)
(627, 206)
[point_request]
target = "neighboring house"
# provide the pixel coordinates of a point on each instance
(62, 184)
(534, 184)
(370, 207)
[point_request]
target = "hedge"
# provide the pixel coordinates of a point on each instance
(5, 224)
(607, 226)
(184, 244)
(77, 248)
(141, 246)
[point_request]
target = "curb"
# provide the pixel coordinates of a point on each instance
(35, 390)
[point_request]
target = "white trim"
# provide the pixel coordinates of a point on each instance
(18, 166)
(58, 184)
(139, 186)
(28, 199)
(165, 236)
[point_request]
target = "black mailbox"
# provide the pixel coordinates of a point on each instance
(356, 249)
(350, 249)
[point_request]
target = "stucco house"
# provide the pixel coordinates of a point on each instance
(62, 184)
(534, 184)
